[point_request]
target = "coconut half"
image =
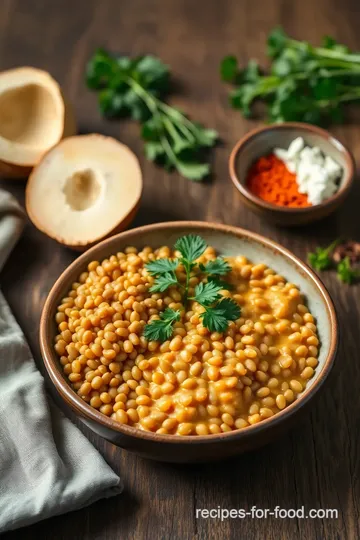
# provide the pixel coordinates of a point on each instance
(33, 118)
(84, 189)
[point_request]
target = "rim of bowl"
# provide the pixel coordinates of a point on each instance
(52, 365)
(349, 169)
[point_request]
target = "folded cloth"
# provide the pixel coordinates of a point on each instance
(47, 466)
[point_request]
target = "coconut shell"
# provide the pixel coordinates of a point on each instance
(19, 171)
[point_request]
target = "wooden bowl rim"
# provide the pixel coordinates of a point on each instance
(349, 170)
(86, 411)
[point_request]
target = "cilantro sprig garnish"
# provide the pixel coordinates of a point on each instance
(162, 329)
(135, 88)
(216, 318)
(218, 267)
(305, 83)
(218, 310)
(345, 272)
(206, 293)
(321, 258)
(324, 259)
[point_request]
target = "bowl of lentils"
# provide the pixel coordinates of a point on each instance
(188, 341)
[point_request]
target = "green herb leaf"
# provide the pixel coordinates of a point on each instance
(276, 42)
(207, 293)
(230, 307)
(330, 43)
(163, 282)
(206, 137)
(162, 329)
(224, 285)
(108, 104)
(164, 270)
(217, 318)
(161, 266)
(345, 272)
(152, 74)
(99, 70)
(154, 150)
(152, 129)
(137, 109)
(191, 246)
(216, 267)
(251, 73)
(229, 68)
(324, 88)
(306, 83)
(192, 170)
(134, 88)
(321, 258)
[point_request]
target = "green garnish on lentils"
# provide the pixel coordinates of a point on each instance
(305, 83)
(218, 310)
(135, 88)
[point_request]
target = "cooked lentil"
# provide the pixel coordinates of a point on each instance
(198, 382)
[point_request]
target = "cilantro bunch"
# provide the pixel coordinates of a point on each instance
(305, 83)
(218, 310)
(135, 88)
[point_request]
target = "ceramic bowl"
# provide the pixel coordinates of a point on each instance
(261, 142)
(228, 241)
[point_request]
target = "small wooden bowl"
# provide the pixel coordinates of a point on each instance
(261, 142)
(228, 241)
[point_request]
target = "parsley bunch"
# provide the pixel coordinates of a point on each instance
(322, 259)
(306, 83)
(218, 310)
(134, 88)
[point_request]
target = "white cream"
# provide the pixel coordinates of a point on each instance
(317, 174)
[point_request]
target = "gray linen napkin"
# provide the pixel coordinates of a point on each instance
(47, 466)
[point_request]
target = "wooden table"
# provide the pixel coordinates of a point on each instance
(315, 465)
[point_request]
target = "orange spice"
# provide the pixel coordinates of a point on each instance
(269, 179)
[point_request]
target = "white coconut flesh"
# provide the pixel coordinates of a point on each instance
(83, 188)
(31, 115)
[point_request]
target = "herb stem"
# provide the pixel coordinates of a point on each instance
(326, 53)
(332, 246)
(344, 67)
(273, 81)
(153, 104)
(148, 99)
(180, 120)
(169, 151)
(171, 130)
(186, 293)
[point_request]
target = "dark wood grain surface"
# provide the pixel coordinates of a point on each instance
(317, 464)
